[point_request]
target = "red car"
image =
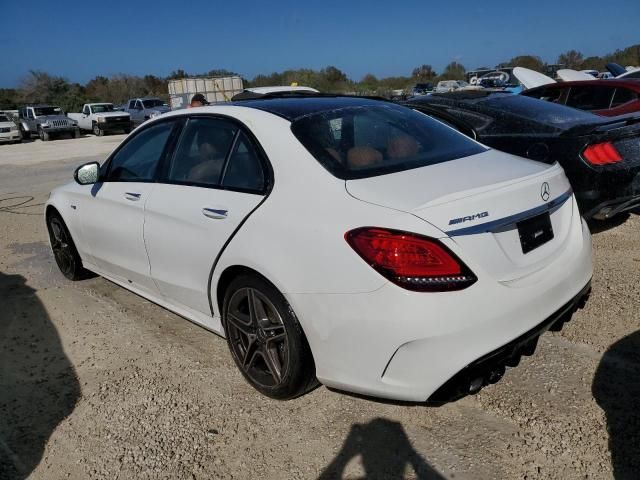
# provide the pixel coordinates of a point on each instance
(604, 97)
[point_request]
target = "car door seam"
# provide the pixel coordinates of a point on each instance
(224, 247)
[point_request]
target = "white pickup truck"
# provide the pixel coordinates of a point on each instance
(101, 118)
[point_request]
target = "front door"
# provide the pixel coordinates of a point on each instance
(214, 180)
(113, 215)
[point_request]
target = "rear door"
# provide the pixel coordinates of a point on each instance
(214, 180)
(113, 214)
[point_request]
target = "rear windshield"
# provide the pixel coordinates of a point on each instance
(359, 142)
(539, 110)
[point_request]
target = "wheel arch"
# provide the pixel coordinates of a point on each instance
(233, 271)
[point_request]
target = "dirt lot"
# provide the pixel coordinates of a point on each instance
(96, 382)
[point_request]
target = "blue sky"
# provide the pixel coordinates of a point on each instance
(79, 40)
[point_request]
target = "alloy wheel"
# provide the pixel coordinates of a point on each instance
(258, 337)
(61, 246)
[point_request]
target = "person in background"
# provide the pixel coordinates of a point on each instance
(198, 100)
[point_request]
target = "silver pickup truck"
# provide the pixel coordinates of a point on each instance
(46, 121)
(101, 118)
(142, 109)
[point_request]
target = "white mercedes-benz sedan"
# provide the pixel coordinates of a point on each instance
(333, 239)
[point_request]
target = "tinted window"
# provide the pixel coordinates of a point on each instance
(132, 104)
(41, 111)
(201, 153)
(590, 97)
(357, 142)
(549, 94)
(154, 102)
(622, 96)
(532, 109)
(244, 170)
(137, 160)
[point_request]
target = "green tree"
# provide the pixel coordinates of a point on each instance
(527, 61)
(571, 59)
(369, 83)
(453, 71)
(423, 73)
(593, 63)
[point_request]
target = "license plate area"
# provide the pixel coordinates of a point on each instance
(535, 231)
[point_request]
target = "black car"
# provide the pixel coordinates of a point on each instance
(600, 155)
(422, 88)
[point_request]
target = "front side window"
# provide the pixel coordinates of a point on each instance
(132, 104)
(358, 142)
(138, 105)
(590, 97)
(202, 151)
(138, 159)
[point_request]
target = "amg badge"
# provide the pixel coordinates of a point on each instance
(468, 218)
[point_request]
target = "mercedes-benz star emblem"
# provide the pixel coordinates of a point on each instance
(545, 191)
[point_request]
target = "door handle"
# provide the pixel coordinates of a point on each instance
(217, 213)
(134, 197)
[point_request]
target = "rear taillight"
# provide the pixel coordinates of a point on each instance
(601, 154)
(411, 261)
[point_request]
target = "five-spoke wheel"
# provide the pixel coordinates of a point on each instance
(266, 340)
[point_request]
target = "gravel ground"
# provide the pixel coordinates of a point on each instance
(96, 382)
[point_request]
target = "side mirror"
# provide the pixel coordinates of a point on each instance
(87, 174)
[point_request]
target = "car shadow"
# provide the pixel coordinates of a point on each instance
(599, 226)
(385, 451)
(38, 385)
(616, 388)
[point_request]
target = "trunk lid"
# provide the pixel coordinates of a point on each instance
(478, 202)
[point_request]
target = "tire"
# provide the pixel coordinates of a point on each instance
(44, 136)
(266, 341)
(127, 131)
(64, 250)
(97, 131)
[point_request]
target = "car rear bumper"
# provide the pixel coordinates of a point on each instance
(489, 368)
(612, 202)
(401, 345)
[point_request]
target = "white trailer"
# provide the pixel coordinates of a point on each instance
(215, 90)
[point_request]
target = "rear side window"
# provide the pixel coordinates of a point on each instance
(590, 97)
(622, 96)
(244, 170)
(359, 142)
(202, 151)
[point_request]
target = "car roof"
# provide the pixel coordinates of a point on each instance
(632, 83)
(295, 107)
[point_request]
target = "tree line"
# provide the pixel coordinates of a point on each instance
(41, 87)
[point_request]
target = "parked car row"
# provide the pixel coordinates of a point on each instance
(50, 121)
(443, 236)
